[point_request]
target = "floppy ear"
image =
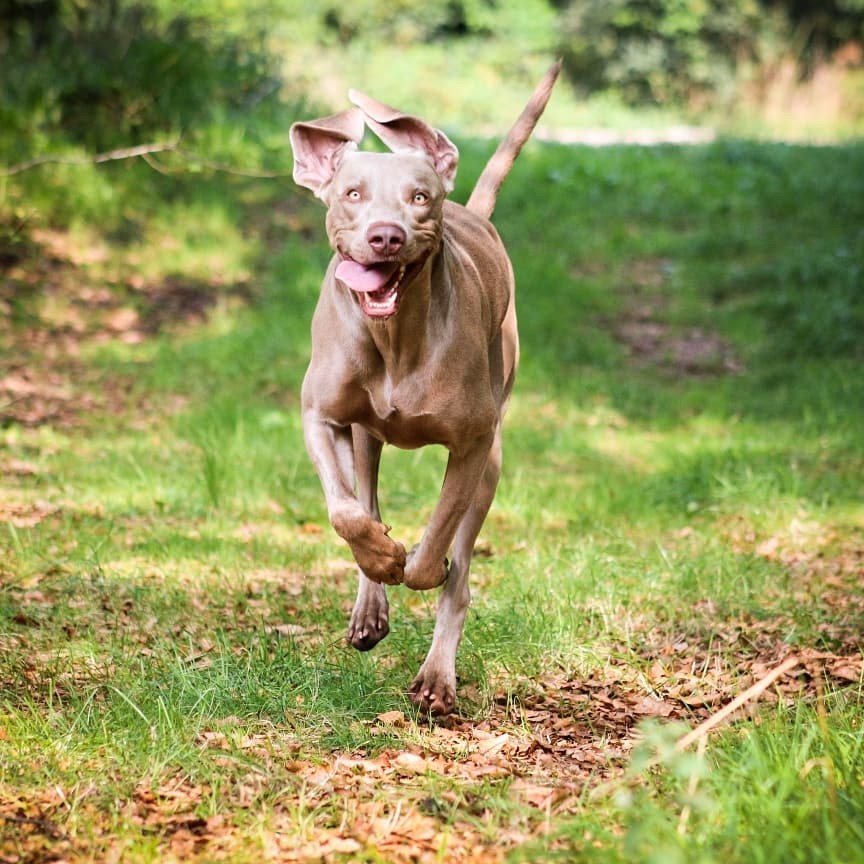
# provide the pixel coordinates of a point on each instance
(319, 146)
(402, 131)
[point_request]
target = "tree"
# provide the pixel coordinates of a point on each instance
(108, 73)
(690, 51)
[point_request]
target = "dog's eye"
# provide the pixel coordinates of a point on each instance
(353, 194)
(420, 197)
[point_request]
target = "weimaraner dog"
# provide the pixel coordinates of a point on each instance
(413, 342)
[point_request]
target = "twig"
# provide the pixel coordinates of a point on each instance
(107, 156)
(212, 166)
(145, 151)
(691, 789)
(700, 733)
(228, 169)
(750, 693)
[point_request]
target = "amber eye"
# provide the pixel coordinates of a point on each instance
(420, 197)
(353, 194)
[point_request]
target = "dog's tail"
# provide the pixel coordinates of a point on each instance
(483, 197)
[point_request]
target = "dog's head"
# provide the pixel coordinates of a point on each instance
(384, 215)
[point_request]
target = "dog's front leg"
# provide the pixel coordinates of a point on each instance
(370, 618)
(427, 563)
(331, 449)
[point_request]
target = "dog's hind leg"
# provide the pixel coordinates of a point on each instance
(369, 622)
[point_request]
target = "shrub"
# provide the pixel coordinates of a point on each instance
(693, 51)
(109, 74)
(657, 50)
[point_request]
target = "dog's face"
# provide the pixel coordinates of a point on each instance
(384, 216)
(384, 220)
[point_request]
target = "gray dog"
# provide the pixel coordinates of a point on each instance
(414, 342)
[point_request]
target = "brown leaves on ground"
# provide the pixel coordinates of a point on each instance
(45, 828)
(442, 793)
(464, 789)
(461, 790)
(26, 515)
(467, 790)
(31, 828)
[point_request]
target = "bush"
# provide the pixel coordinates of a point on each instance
(108, 74)
(656, 50)
(689, 52)
(406, 21)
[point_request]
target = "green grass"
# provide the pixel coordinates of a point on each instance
(673, 513)
(788, 790)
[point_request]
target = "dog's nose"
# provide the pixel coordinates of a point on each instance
(386, 238)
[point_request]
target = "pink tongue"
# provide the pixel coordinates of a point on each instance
(359, 277)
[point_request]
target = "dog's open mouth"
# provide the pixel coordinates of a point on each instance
(376, 285)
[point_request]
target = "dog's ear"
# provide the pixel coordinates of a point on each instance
(319, 146)
(402, 131)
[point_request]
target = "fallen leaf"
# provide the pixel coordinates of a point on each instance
(411, 763)
(536, 794)
(651, 707)
(495, 744)
(26, 515)
(392, 718)
(19, 468)
(846, 672)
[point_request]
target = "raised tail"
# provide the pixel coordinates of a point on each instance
(482, 200)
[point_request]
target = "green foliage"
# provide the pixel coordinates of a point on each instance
(103, 75)
(795, 776)
(409, 21)
(655, 51)
(820, 26)
(788, 790)
(695, 51)
(182, 593)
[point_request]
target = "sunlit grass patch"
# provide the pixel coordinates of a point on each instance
(174, 674)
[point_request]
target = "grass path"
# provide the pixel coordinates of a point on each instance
(681, 510)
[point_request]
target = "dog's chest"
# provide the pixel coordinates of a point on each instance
(408, 413)
(422, 410)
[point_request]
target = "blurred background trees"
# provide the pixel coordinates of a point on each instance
(222, 80)
(107, 73)
(695, 51)
(102, 73)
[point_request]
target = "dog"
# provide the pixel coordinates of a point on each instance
(414, 342)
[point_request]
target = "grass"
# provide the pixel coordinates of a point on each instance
(681, 507)
(744, 803)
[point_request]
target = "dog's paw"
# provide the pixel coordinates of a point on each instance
(366, 635)
(434, 693)
(370, 620)
(422, 578)
(381, 558)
